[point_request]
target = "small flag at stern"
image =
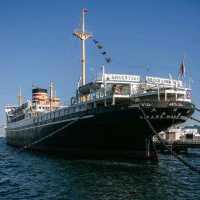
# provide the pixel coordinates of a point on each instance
(182, 70)
(85, 10)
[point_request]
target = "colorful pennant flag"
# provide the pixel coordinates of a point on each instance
(108, 60)
(95, 41)
(99, 46)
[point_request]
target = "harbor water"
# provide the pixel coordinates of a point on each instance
(28, 175)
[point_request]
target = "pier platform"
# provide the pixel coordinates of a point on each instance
(178, 146)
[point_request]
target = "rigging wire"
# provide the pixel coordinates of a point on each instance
(197, 109)
(197, 120)
(191, 167)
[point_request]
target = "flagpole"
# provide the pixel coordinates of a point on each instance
(182, 70)
(83, 49)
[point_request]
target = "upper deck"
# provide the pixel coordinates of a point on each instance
(119, 88)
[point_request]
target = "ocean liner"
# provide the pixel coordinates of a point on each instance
(104, 119)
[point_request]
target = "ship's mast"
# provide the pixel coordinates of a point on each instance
(52, 93)
(83, 36)
(19, 97)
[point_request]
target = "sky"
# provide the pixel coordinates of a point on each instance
(37, 45)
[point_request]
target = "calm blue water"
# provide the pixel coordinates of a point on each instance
(29, 175)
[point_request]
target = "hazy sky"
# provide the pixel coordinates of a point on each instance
(37, 45)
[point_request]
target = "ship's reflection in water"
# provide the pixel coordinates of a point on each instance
(39, 176)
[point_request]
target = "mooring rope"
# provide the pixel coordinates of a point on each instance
(45, 137)
(191, 167)
(50, 135)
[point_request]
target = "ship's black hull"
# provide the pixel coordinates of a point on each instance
(101, 133)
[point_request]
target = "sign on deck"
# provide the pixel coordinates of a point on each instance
(163, 81)
(122, 78)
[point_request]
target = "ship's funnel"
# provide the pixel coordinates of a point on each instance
(39, 95)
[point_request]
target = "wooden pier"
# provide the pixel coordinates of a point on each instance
(178, 146)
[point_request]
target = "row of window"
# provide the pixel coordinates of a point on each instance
(42, 107)
(59, 113)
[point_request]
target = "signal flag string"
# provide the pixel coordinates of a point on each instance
(102, 51)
